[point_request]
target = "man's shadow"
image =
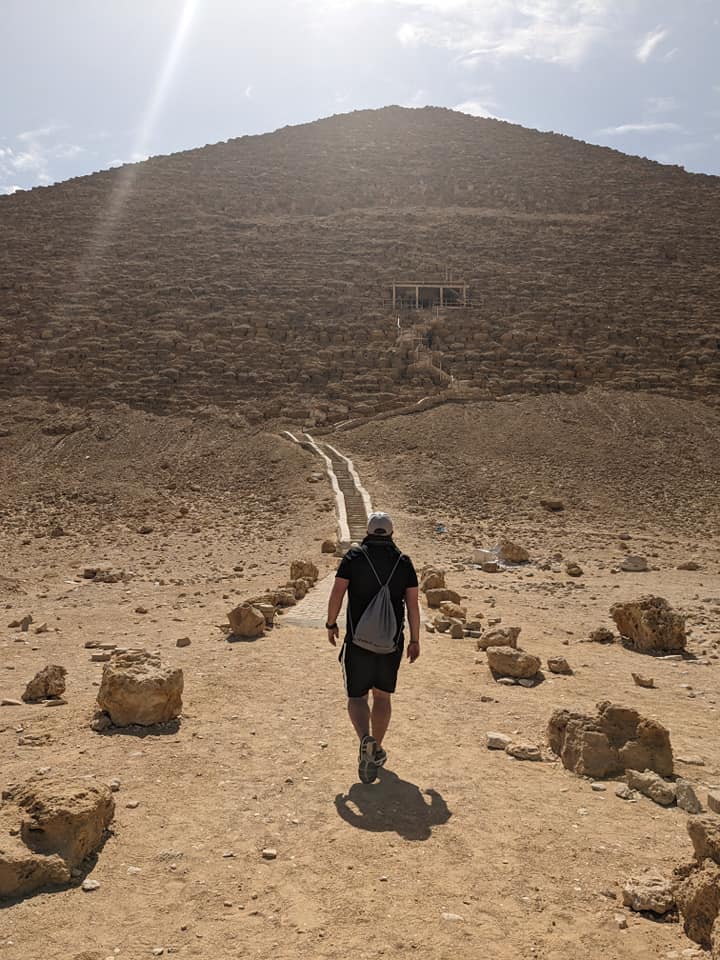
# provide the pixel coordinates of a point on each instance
(393, 804)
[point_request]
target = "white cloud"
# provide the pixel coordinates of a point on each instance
(649, 42)
(9, 189)
(641, 128)
(554, 31)
(27, 136)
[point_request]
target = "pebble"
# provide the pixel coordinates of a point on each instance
(182, 642)
(598, 787)
(269, 853)
(132, 804)
(621, 921)
(89, 885)
(228, 853)
(8, 702)
(114, 784)
(453, 917)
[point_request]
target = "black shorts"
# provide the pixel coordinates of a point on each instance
(363, 670)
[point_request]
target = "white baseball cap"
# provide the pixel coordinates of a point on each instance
(380, 523)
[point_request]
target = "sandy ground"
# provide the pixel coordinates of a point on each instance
(527, 855)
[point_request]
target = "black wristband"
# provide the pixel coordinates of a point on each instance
(330, 626)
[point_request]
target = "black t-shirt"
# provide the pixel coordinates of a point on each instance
(364, 584)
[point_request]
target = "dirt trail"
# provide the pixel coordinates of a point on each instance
(526, 855)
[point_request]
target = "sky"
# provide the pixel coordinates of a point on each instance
(90, 84)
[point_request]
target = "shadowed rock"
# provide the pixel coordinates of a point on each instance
(137, 689)
(608, 744)
(48, 683)
(650, 625)
(48, 829)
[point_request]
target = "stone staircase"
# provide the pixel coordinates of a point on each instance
(354, 506)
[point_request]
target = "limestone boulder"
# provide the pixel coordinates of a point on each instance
(136, 688)
(650, 625)
(649, 894)
(431, 578)
(698, 900)
(300, 587)
(47, 684)
(500, 637)
(436, 596)
(512, 662)
(609, 743)
(559, 665)
(48, 829)
(652, 785)
(453, 610)
(247, 620)
(305, 570)
(510, 552)
(705, 835)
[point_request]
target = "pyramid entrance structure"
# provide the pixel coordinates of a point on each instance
(423, 295)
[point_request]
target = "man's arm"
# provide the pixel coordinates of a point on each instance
(413, 615)
(335, 606)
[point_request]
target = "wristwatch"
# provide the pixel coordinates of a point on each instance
(330, 626)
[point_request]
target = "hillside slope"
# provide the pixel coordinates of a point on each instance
(255, 273)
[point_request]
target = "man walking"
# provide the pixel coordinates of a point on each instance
(363, 572)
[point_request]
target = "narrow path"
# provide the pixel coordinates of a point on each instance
(354, 506)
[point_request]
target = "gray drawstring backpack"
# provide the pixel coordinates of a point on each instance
(377, 627)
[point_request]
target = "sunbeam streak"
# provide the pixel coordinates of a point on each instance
(111, 215)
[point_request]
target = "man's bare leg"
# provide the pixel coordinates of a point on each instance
(381, 713)
(359, 713)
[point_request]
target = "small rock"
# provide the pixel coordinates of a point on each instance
(598, 787)
(634, 564)
(140, 609)
(652, 894)
(621, 921)
(182, 642)
(89, 885)
(490, 566)
(8, 702)
(498, 741)
(647, 682)
(269, 853)
(689, 565)
(552, 504)
(452, 917)
(524, 751)
(573, 569)
(602, 635)
(47, 683)
(114, 784)
(328, 546)
(625, 793)
(558, 665)
(227, 854)
(510, 552)
(653, 786)
(687, 798)
(132, 804)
